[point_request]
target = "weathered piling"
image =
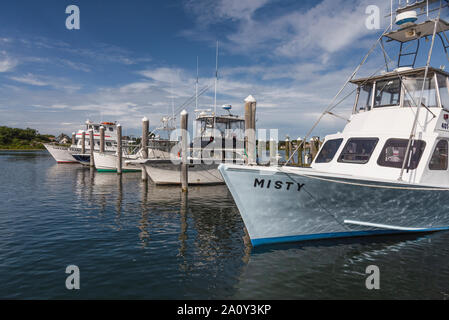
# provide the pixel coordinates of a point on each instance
(184, 156)
(101, 139)
(145, 132)
(247, 126)
(273, 152)
(314, 143)
(83, 142)
(92, 147)
(119, 149)
(300, 151)
(287, 148)
(73, 138)
(250, 129)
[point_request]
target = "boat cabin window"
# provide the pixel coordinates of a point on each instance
(328, 151)
(109, 144)
(364, 100)
(358, 150)
(111, 129)
(413, 88)
(393, 153)
(96, 128)
(226, 127)
(388, 93)
(439, 157)
(444, 90)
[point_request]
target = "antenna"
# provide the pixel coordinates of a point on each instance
(216, 80)
(196, 85)
(172, 101)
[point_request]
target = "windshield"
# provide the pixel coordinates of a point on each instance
(388, 93)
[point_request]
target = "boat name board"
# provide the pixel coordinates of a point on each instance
(279, 185)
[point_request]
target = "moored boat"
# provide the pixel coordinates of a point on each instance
(386, 172)
(217, 139)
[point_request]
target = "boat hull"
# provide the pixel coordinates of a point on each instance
(83, 159)
(107, 162)
(164, 172)
(279, 206)
(60, 154)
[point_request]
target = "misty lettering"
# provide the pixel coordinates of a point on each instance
(278, 185)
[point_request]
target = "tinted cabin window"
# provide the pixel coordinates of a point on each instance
(439, 157)
(413, 90)
(111, 129)
(388, 93)
(364, 101)
(328, 151)
(358, 150)
(393, 153)
(444, 91)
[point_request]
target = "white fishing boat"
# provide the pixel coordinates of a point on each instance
(386, 172)
(107, 161)
(64, 154)
(217, 139)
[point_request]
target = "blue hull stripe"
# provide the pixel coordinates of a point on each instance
(305, 237)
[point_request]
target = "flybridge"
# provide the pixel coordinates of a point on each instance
(404, 85)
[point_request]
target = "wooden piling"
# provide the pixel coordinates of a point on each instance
(184, 155)
(101, 139)
(287, 148)
(250, 129)
(300, 151)
(92, 147)
(73, 138)
(119, 149)
(145, 132)
(273, 152)
(83, 142)
(247, 126)
(313, 148)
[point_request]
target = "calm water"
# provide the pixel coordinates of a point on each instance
(144, 242)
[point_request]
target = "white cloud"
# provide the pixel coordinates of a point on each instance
(7, 63)
(46, 81)
(29, 79)
(314, 33)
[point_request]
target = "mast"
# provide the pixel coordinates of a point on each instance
(196, 85)
(216, 82)
(408, 153)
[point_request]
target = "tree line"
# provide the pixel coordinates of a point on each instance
(16, 138)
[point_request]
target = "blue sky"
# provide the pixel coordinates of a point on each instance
(133, 58)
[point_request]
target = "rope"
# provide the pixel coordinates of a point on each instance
(319, 204)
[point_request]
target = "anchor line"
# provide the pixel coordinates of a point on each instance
(319, 204)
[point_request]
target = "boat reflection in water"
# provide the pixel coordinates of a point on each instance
(203, 222)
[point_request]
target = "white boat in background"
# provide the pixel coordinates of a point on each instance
(222, 135)
(64, 154)
(61, 154)
(386, 172)
(107, 161)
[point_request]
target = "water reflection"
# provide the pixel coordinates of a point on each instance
(144, 235)
(335, 269)
(195, 246)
